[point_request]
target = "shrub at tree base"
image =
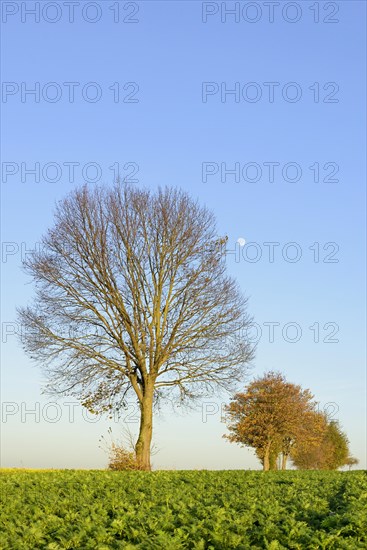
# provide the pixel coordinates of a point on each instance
(122, 459)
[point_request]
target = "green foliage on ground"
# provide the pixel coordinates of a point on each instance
(198, 510)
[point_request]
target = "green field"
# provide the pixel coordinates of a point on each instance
(165, 510)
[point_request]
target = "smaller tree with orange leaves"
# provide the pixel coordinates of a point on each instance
(268, 417)
(323, 446)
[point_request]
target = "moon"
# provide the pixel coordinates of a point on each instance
(241, 241)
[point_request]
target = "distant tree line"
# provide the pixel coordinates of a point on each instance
(281, 421)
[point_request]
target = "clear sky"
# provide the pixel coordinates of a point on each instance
(154, 98)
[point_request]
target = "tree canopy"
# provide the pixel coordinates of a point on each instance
(267, 415)
(276, 417)
(330, 453)
(132, 295)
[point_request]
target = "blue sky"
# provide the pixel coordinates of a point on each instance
(168, 136)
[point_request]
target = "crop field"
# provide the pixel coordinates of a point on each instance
(168, 510)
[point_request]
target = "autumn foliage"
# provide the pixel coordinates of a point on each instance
(280, 419)
(330, 452)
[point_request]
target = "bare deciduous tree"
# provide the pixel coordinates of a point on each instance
(132, 294)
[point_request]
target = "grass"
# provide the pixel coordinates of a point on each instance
(89, 509)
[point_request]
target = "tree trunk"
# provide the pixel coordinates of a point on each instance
(142, 447)
(284, 461)
(266, 461)
(273, 465)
